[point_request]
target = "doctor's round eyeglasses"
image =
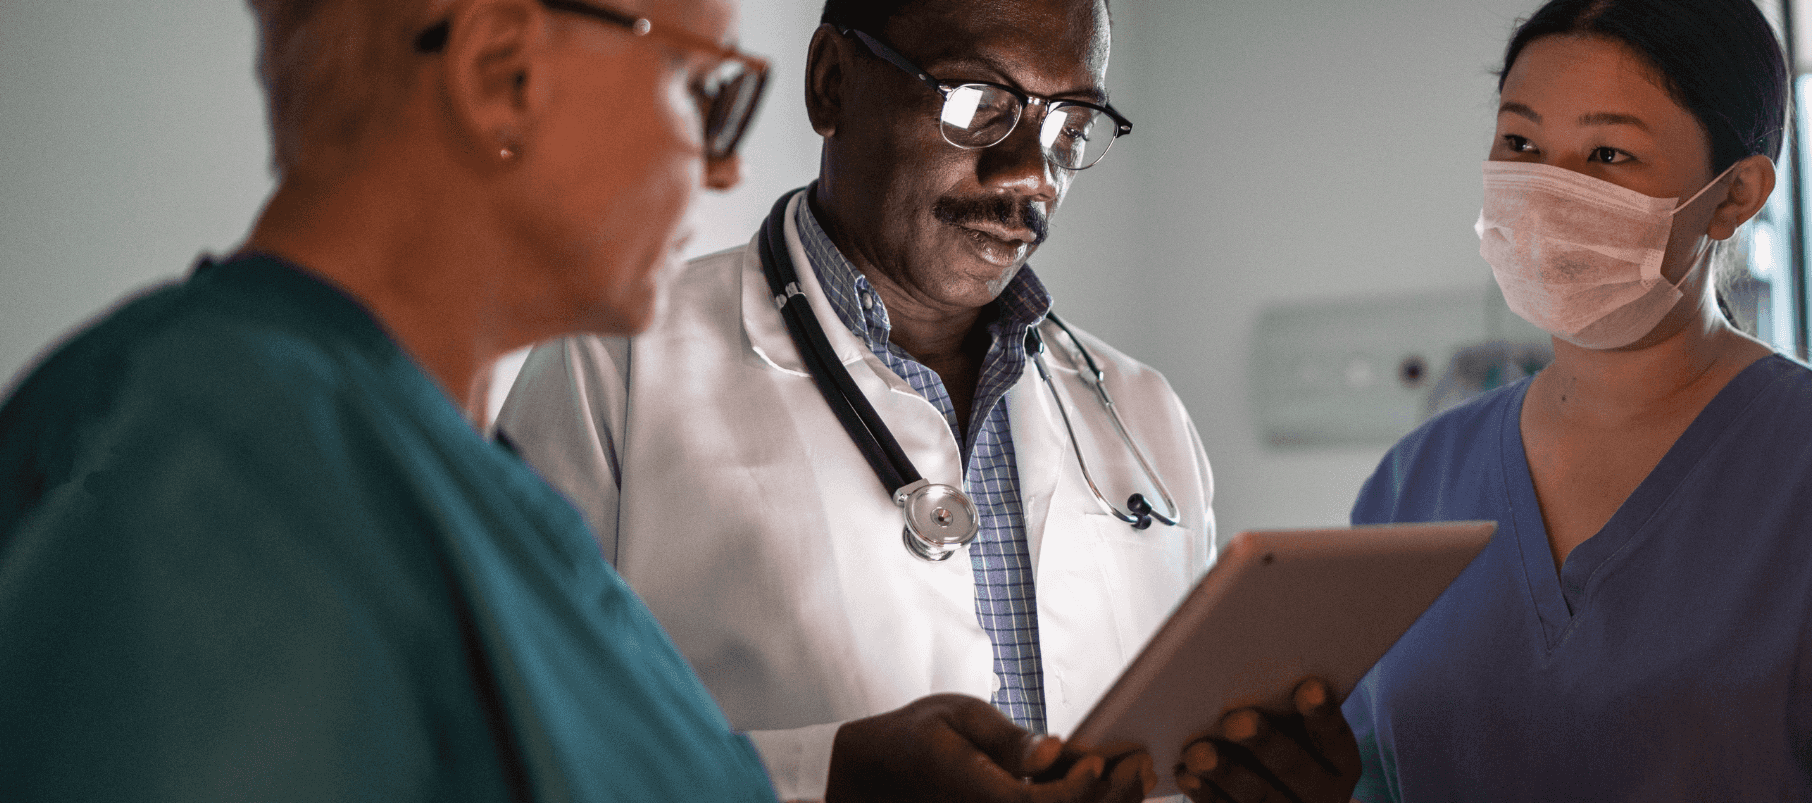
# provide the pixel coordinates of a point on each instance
(727, 96)
(977, 114)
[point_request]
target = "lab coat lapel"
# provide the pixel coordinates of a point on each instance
(915, 422)
(761, 320)
(1040, 449)
(1075, 568)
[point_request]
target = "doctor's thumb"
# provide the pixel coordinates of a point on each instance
(1012, 748)
(1039, 753)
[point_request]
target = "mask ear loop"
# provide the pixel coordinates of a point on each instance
(1708, 185)
(1708, 251)
(1711, 248)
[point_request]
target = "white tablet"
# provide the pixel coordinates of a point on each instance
(1276, 607)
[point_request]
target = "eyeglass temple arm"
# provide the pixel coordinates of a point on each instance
(874, 46)
(640, 26)
(434, 37)
(1122, 125)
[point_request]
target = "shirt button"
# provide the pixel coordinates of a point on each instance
(868, 300)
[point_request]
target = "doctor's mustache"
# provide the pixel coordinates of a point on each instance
(1022, 214)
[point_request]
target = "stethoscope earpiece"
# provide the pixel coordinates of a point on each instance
(1137, 504)
(1140, 508)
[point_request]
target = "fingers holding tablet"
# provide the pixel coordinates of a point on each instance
(1305, 756)
(957, 748)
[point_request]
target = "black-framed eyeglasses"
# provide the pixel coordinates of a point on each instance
(978, 114)
(728, 95)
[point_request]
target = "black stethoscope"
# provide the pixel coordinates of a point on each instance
(940, 519)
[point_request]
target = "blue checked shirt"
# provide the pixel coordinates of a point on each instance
(1004, 599)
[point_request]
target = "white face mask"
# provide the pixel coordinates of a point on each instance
(1577, 256)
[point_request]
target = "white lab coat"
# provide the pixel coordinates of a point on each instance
(725, 491)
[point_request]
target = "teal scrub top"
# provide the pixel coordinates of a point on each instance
(250, 551)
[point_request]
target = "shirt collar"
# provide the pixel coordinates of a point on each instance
(1022, 305)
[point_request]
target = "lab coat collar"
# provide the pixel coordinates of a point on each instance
(761, 319)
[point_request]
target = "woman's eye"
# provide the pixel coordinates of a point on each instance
(1518, 144)
(1607, 156)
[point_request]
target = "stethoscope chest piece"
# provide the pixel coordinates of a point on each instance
(939, 519)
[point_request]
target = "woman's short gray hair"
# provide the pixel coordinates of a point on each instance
(324, 65)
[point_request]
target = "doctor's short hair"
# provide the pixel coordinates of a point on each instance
(872, 16)
(1719, 58)
(869, 16)
(324, 63)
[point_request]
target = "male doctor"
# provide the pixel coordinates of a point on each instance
(724, 488)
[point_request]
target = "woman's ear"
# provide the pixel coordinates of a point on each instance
(493, 85)
(827, 62)
(1751, 181)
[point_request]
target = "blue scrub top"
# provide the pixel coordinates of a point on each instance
(250, 551)
(1668, 659)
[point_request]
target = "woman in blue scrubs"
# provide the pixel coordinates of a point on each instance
(1639, 627)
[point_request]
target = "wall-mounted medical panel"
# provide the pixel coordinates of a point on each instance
(1345, 372)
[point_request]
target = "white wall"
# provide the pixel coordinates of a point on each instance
(131, 138)
(1303, 150)
(1281, 151)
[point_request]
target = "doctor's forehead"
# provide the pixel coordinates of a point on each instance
(1051, 34)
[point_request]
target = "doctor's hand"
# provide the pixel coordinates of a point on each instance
(957, 748)
(1304, 757)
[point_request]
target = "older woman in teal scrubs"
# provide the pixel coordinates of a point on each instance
(250, 550)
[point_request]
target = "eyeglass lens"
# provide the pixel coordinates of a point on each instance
(980, 115)
(732, 91)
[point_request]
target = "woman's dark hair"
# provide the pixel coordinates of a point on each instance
(1719, 59)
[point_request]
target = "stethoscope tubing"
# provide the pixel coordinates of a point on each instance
(1138, 513)
(847, 401)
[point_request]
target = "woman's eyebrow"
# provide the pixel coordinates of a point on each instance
(1589, 118)
(1519, 109)
(1612, 118)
